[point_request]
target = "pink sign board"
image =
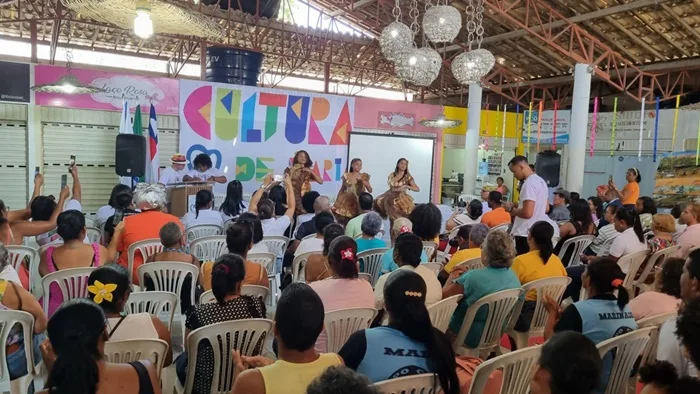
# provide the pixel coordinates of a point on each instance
(136, 89)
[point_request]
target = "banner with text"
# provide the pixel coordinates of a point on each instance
(547, 126)
(250, 132)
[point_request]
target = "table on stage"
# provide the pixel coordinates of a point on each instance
(180, 194)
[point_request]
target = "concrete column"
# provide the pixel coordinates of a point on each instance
(579, 127)
(471, 142)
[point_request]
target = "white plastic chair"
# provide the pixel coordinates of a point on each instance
(633, 261)
(500, 310)
(94, 234)
(276, 244)
(43, 248)
(129, 350)
(472, 264)
(577, 245)
(655, 260)
(154, 303)
(267, 260)
(435, 267)
(17, 256)
(691, 250)
(313, 235)
(372, 262)
(342, 323)
(202, 230)
(209, 248)
(207, 297)
(429, 247)
(256, 291)
(146, 248)
(653, 321)
(553, 287)
(501, 227)
(73, 283)
(605, 247)
(365, 276)
(441, 312)
(8, 319)
(516, 367)
(299, 266)
(628, 347)
(89, 221)
(242, 335)
(427, 383)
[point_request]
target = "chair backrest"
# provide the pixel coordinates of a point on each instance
(434, 266)
(129, 350)
(501, 227)
(691, 250)
(427, 383)
(267, 260)
(312, 235)
(655, 260)
(17, 256)
(633, 261)
(8, 319)
(654, 321)
(577, 245)
(209, 248)
(500, 309)
(628, 349)
(147, 247)
(517, 367)
(342, 323)
(429, 248)
(372, 262)
(152, 302)
(72, 282)
(276, 244)
(605, 247)
(207, 297)
(553, 287)
(365, 276)
(441, 312)
(471, 264)
(202, 230)
(299, 266)
(169, 276)
(246, 336)
(43, 247)
(94, 234)
(256, 291)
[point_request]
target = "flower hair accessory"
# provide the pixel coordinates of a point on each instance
(616, 283)
(404, 229)
(347, 254)
(223, 268)
(413, 293)
(102, 291)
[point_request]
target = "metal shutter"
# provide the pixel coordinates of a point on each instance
(13, 155)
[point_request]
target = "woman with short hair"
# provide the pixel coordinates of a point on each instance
(371, 226)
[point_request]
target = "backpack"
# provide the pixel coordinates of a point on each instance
(466, 366)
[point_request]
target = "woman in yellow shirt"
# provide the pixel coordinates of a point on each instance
(539, 263)
(630, 193)
(469, 239)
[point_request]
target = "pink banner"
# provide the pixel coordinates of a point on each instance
(136, 89)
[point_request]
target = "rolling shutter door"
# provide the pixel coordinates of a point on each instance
(13, 155)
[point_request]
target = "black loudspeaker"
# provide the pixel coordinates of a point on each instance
(130, 156)
(547, 165)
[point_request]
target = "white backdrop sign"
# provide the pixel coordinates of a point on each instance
(250, 131)
(547, 126)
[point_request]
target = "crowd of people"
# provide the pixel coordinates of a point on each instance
(515, 245)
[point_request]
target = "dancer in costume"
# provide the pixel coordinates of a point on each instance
(396, 202)
(301, 174)
(355, 182)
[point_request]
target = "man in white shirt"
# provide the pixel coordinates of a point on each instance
(265, 208)
(670, 347)
(533, 202)
(175, 172)
(204, 171)
(315, 243)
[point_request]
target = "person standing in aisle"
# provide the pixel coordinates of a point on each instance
(533, 202)
(175, 172)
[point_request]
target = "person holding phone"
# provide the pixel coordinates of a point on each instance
(630, 193)
(43, 207)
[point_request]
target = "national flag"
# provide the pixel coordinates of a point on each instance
(138, 130)
(153, 168)
(125, 128)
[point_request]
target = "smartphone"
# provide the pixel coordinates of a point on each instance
(71, 162)
(64, 181)
(566, 302)
(118, 216)
(36, 171)
(278, 178)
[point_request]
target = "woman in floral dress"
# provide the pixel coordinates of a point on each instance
(301, 174)
(396, 202)
(355, 182)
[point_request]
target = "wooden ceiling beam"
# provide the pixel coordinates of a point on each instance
(681, 21)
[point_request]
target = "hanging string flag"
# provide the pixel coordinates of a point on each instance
(656, 126)
(641, 131)
(486, 132)
(594, 126)
(614, 126)
(503, 130)
(675, 123)
(554, 127)
(529, 127)
(498, 122)
(539, 124)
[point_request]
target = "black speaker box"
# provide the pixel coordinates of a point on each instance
(130, 156)
(547, 165)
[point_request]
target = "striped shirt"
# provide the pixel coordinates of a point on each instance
(605, 233)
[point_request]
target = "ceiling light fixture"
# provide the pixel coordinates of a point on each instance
(67, 84)
(143, 25)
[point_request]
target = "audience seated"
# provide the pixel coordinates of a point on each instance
(386, 223)
(107, 211)
(227, 276)
(497, 255)
(254, 221)
(661, 378)
(610, 197)
(580, 223)
(539, 263)
(109, 287)
(43, 209)
(317, 267)
(298, 322)
(630, 240)
(204, 211)
(307, 202)
(470, 239)
(645, 208)
(497, 215)
(687, 328)
(371, 226)
(666, 295)
(354, 226)
(409, 345)
(559, 209)
(341, 380)
(569, 364)
(320, 204)
(471, 216)
(9, 273)
(676, 212)
(595, 204)
(76, 361)
(691, 236)
(234, 204)
(343, 289)
(407, 253)
(315, 243)
(15, 298)
(265, 209)
(605, 233)
(426, 219)
(124, 202)
(401, 225)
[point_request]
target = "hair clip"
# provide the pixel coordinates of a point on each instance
(347, 254)
(413, 293)
(222, 267)
(102, 291)
(616, 282)
(404, 229)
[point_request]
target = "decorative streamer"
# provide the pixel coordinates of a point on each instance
(675, 123)
(697, 148)
(656, 126)
(594, 125)
(498, 122)
(614, 126)
(486, 134)
(503, 131)
(539, 125)
(529, 128)
(554, 130)
(641, 131)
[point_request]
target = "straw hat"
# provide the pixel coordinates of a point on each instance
(179, 158)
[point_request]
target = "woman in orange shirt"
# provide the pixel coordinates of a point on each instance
(630, 193)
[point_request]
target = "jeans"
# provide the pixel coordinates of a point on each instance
(17, 360)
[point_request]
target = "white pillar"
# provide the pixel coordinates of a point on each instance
(579, 127)
(471, 142)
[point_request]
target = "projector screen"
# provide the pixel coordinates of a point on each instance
(380, 152)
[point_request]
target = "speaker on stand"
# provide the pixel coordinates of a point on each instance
(130, 155)
(547, 166)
